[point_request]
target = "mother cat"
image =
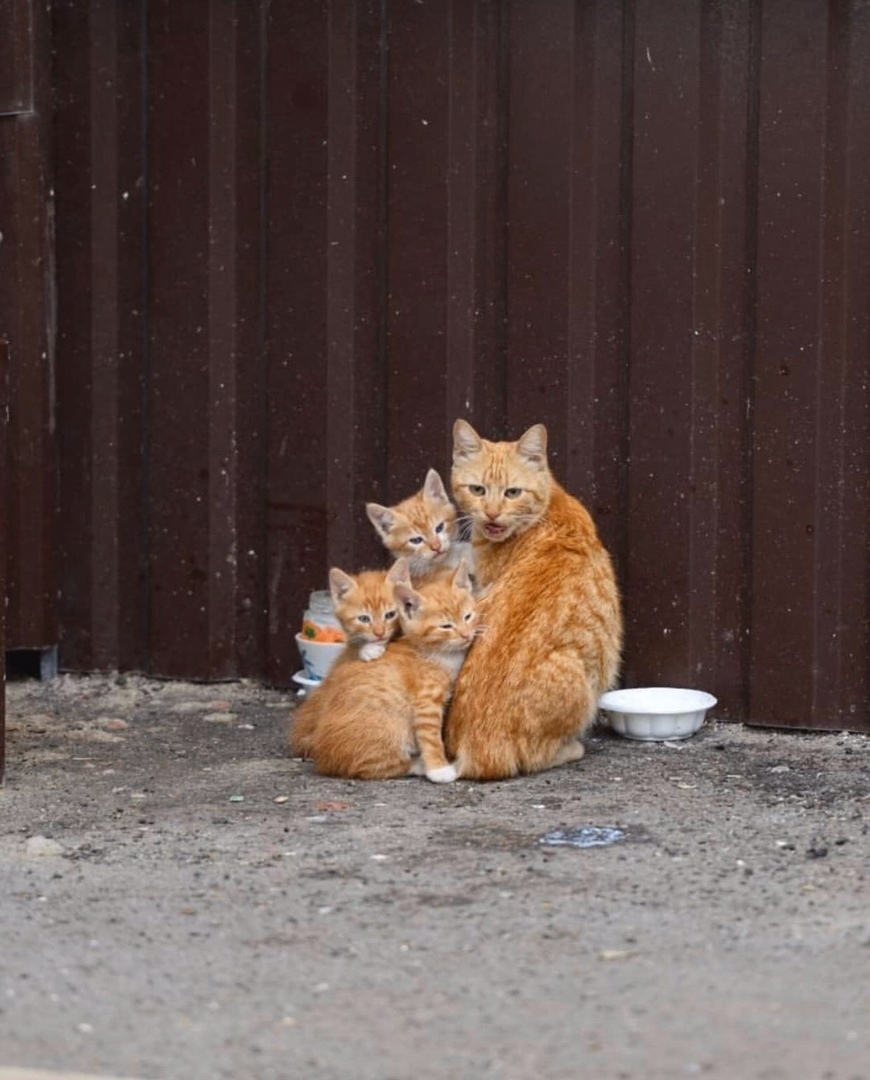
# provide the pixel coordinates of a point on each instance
(530, 685)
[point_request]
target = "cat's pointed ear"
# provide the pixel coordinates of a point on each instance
(434, 489)
(533, 445)
(461, 576)
(466, 441)
(381, 517)
(400, 572)
(408, 600)
(340, 584)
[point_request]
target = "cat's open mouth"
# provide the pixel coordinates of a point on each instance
(495, 532)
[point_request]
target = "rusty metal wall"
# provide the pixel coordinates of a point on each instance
(26, 323)
(295, 241)
(4, 421)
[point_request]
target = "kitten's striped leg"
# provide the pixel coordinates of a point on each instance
(427, 729)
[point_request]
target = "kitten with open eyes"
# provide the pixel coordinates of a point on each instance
(530, 687)
(423, 528)
(384, 720)
(365, 605)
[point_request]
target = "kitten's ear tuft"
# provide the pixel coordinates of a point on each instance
(533, 445)
(461, 576)
(408, 600)
(433, 488)
(340, 584)
(381, 517)
(466, 441)
(400, 572)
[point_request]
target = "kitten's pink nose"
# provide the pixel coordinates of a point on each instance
(436, 547)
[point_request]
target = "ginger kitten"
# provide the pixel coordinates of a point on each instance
(383, 720)
(423, 528)
(529, 689)
(365, 605)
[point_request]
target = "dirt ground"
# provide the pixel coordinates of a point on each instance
(181, 901)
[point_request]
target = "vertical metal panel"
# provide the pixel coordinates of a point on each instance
(4, 421)
(296, 378)
(474, 355)
(418, 120)
(16, 56)
(101, 343)
(567, 238)
(687, 476)
(26, 317)
(810, 491)
(203, 236)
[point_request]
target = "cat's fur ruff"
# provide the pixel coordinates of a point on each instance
(424, 529)
(530, 686)
(383, 720)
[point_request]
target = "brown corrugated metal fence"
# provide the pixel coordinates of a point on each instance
(295, 241)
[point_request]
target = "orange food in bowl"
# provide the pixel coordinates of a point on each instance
(314, 632)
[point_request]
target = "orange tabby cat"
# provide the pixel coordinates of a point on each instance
(365, 605)
(530, 686)
(423, 528)
(383, 720)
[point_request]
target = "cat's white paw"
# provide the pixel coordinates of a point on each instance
(444, 774)
(372, 650)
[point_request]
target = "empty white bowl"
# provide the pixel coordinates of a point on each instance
(318, 656)
(656, 713)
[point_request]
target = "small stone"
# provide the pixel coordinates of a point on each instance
(219, 717)
(780, 768)
(281, 798)
(85, 1029)
(38, 846)
(188, 707)
(112, 723)
(237, 798)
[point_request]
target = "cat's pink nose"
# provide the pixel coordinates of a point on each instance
(436, 547)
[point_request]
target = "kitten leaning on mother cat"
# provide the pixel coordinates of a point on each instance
(529, 687)
(384, 718)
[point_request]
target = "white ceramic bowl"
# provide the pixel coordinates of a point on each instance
(656, 713)
(318, 656)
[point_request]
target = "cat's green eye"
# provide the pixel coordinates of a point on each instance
(416, 541)
(365, 619)
(390, 615)
(512, 493)
(439, 528)
(477, 489)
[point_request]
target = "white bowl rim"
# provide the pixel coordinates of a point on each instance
(656, 700)
(301, 679)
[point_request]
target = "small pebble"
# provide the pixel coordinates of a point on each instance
(39, 846)
(237, 798)
(112, 723)
(282, 798)
(219, 717)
